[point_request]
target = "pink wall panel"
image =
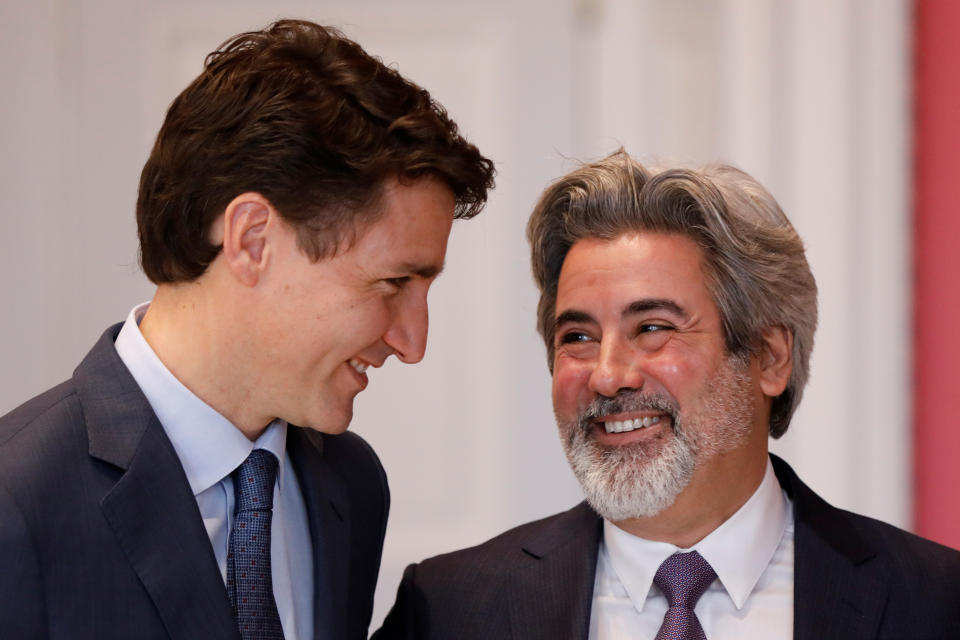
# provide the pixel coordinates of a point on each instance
(937, 270)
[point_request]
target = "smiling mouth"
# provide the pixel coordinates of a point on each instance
(623, 426)
(359, 367)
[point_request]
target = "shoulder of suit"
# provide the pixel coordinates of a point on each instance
(51, 408)
(43, 434)
(576, 526)
(862, 539)
(906, 552)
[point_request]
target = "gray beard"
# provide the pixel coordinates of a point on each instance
(643, 479)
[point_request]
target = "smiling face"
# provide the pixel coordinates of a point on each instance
(649, 403)
(330, 320)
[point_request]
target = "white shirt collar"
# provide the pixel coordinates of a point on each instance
(739, 550)
(208, 445)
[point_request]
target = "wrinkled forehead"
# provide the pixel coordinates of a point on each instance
(645, 264)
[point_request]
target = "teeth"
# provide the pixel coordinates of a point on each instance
(619, 426)
(360, 367)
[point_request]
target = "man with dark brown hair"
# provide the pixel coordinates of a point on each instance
(293, 213)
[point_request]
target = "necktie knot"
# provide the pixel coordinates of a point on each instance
(683, 578)
(253, 481)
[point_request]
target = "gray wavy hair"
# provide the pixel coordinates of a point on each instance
(754, 261)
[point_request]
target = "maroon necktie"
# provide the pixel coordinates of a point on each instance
(683, 577)
(249, 577)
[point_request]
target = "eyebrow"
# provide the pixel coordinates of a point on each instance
(423, 270)
(655, 304)
(576, 316)
(573, 316)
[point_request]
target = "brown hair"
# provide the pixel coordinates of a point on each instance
(754, 260)
(305, 117)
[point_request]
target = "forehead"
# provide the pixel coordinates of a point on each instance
(413, 227)
(598, 271)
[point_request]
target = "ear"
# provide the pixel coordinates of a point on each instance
(245, 225)
(775, 360)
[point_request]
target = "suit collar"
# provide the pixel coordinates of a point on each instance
(115, 411)
(151, 508)
(551, 592)
(821, 518)
(839, 587)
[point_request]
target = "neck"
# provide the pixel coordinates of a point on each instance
(719, 487)
(188, 327)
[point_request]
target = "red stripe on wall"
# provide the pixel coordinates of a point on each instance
(937, 270)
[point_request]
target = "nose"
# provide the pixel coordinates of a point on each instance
(407, 334)
(617, 368)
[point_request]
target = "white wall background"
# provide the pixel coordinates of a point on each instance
(811, 96)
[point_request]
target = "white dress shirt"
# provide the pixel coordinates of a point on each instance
(210, 448)
(751, 553)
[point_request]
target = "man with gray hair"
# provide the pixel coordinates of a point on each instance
(678, 312)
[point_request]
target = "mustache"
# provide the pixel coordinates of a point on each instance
(627, 401)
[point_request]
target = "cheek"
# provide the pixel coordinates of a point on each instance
(667, 370)
(570, 386)
(366, 322)
(372, 318)
(678, 375)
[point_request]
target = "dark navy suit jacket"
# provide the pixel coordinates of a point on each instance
(854, 578)
(101, 536)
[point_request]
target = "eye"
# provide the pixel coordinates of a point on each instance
(649, 327)
(398, 282)
(652, 336)
(572, 337)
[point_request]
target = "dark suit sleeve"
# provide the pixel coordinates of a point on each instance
(21, 594)
(401, 622)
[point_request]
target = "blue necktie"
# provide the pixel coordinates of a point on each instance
(249, 579)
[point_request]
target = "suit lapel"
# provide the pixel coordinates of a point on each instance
(151, 508)
(328, 511)
(839, 591)
(551, 593)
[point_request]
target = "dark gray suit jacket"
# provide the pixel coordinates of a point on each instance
(101, 536)
(854, 578)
